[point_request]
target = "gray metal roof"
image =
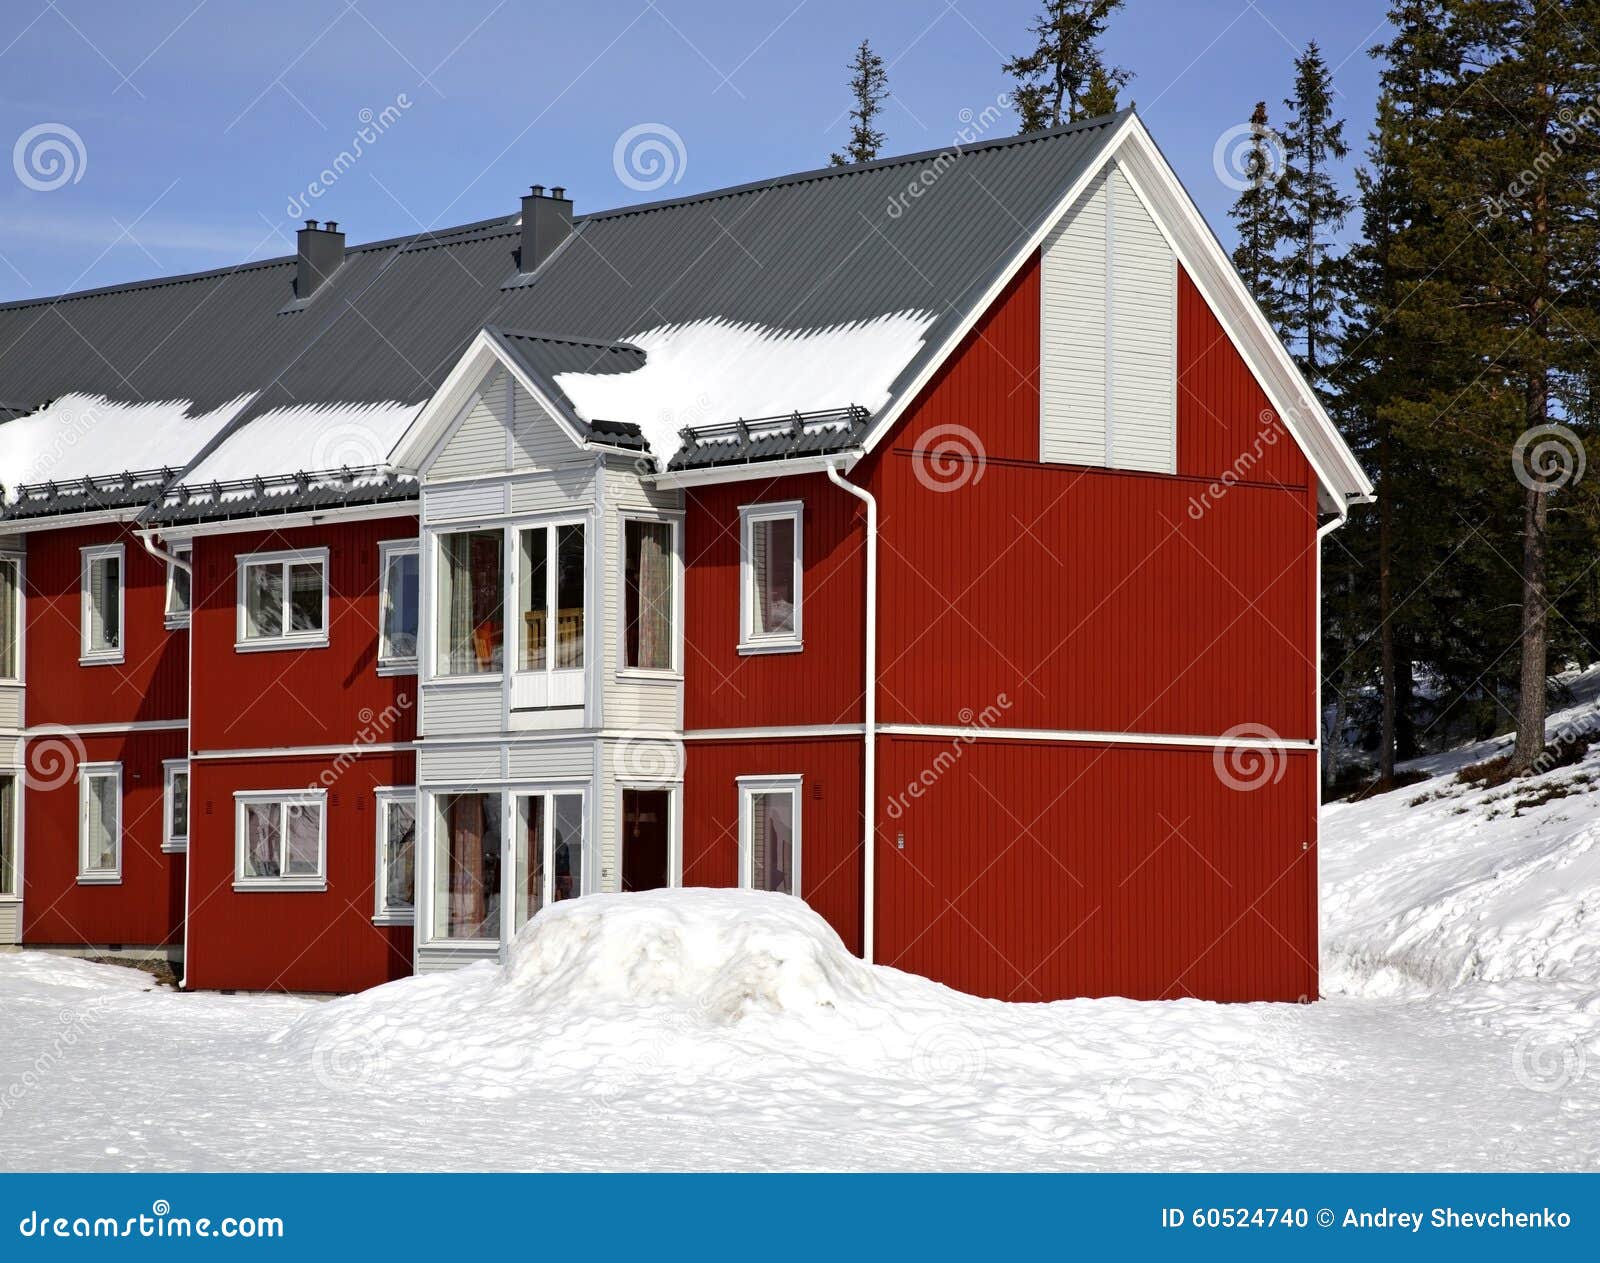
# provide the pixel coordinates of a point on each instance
(927, 231)
(542, 355)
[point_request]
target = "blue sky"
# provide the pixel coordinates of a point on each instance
(197, 127)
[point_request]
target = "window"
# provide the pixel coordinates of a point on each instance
(769, 598)
(283, 600)
(280, 841)
(649, 642)
(102, 604)
(769, 833)
(10, 618)
(466, 867)
(549, 852)
(179, 587)
(397, 607)
(99, 823)
(175, 837)
(471, 603)
(8, 837)
(397, 857)
(550, 587)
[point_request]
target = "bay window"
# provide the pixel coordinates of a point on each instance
(549, 852)
(550, 607)
(101, 602)
(283, 600)
(99, 823)
(471, 603)
(280, 840)
(397, 606)
(10, 618)
(770, 564)
(396, 862)
(466, 867)
(9, 885)
(648, 597)
(769, 833)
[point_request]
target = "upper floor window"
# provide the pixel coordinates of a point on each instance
(102, 604)
(99, 822)
(397, 606)
(648, 597)
(550, 585)
(283, 600)
(175, 797)
(769, 566)
(10, 618)
(281, 840)
(179, 587)
(397, 857)
(769, 833)
(471, 603)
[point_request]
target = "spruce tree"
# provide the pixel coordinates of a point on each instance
(1065, 77)
(1258, 216)
(1314, 211)
(1505, 287)
(869, 87)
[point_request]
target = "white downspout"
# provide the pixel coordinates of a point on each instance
(869, 765)
(148, 539)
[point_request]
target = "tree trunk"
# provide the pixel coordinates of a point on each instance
(1531, 703)
(1386, 667)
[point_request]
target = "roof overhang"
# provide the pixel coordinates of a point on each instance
(785, 467)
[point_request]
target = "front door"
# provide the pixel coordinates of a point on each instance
(646, 839)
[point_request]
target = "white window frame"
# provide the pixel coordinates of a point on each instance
(388, 549)
(20, 561)
(674, 792)
(749, 787)
(508, 866)
(382, 913)
(178, 619)
(675, 671)
(88, 654)
(243, 562)
(751, 641)
(313, 882)
(86, 773)
(169, 768)
(551, 528)
(433, 576)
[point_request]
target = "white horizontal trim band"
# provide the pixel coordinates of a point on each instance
(757, 734)
(1086, 737)
(90, 730)
(296, 752)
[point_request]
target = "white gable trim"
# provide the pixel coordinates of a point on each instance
(433, 425)
(1208, 266)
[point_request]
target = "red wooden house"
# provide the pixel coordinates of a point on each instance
(934, 540)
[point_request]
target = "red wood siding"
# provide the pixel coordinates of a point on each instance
(296, 697)
(1225, 423)
(151, 682)
(821, 684)
(830, 821)
(146, 909)
(299, 941)
(1037, 872)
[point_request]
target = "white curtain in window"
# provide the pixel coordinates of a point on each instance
(648, 583)
(9, 595)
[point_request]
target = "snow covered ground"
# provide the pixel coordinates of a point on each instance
(701, 1029)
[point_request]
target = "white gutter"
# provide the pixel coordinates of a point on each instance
(148, 539)
(869, 763)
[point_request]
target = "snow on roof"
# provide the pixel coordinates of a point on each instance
(707, 372)
(81, 435)
(311, 438)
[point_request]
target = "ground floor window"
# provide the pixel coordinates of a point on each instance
(549, 851)
(397, 860)
(769, 833)
(99, 822)
(281, 841)
(175, 837)
(8, 835)
(466, 867)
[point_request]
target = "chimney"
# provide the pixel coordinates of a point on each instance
(321, 253)
(546, 223)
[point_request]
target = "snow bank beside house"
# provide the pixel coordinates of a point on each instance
(708, 372)
(79, 436)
